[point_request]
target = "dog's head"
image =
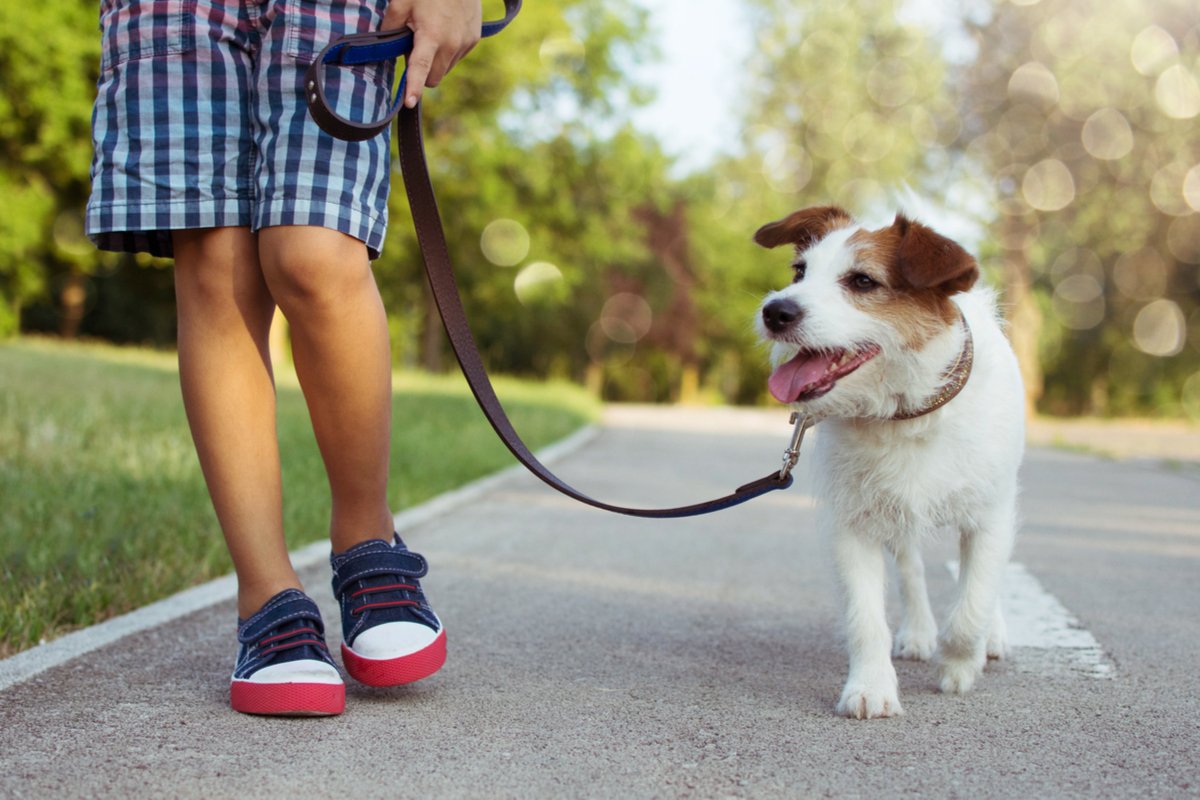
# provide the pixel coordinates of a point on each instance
(850, 332)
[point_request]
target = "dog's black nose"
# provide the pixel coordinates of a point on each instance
(780, 313)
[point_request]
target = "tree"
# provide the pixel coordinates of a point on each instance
(529, 138)
(45, 151)
(1086, 120)
(845, 103)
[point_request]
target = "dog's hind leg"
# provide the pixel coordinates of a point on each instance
(871, 688)
(984, 553)
(997, 641)
(916, 637)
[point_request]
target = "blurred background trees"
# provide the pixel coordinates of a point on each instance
(1058, 137)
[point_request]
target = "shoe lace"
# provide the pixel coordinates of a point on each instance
(367, 602)
(289, 640)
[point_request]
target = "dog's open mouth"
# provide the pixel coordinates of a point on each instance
(811, 373)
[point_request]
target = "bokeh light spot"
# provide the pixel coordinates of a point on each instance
(1166, 190)
(1078, 302)
(539, 282)
(1141, 275)
(504, 242)
(1107, 135)
(1183, 238)
(1191, 188)
(1160, 329)
(1033, 80)
(1076, 261)
(1048, 185)
(1177, 93)
(626, 317)
(1152, 50)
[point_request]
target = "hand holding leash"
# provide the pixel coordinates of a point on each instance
(444, 31)
(377, 46)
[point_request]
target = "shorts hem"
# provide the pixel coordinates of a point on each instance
(146, 227)
(367, 227)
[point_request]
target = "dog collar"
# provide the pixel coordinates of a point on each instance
(953, 379)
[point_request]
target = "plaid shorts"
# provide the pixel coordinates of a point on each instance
(200, 122)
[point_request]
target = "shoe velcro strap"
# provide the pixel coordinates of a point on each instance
(394, 562)
(273, 616)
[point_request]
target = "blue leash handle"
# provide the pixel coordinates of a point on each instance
(370, 48)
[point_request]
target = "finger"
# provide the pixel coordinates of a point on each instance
(420, 63)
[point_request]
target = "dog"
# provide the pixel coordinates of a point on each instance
(884, 338)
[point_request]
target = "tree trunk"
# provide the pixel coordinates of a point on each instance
(73, 298)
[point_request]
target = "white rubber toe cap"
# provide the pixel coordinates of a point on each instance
(308, 670)
(393, 640)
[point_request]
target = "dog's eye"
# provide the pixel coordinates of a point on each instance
(861, 282)
(798, 269)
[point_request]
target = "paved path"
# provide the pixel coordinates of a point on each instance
(598, 656)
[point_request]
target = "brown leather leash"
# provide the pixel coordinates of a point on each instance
(373, 47)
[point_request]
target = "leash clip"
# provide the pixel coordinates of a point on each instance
(791, 455)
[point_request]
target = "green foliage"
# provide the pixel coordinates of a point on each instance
(105, 508)
(45, 146)
(532, 152)
(1087, 121)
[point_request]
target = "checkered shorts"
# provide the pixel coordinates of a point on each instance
(200, 122)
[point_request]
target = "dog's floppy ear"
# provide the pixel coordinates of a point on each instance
(802, 228)
(926, 259)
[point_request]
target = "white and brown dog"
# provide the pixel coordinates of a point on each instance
(883, 339)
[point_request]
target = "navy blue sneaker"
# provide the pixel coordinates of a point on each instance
(283, 666)
(390, 635)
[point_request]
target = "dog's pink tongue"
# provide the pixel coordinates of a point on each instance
(790, 379)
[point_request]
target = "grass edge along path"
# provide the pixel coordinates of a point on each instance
(104, 506)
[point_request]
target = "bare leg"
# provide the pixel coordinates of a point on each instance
(225, 315)
(323, 283)
(871, 688)
(917, 636)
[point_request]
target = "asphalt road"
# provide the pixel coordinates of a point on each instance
(599, 656)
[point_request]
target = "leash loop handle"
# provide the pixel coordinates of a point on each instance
(369, 48)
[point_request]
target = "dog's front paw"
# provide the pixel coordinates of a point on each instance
(860, 701)
(957, 675)
(914, 644)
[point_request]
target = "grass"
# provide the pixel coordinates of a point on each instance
(104, 507)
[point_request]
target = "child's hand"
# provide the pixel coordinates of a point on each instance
(444, 32)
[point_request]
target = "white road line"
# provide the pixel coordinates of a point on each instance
(1046, 637)
(27, 664)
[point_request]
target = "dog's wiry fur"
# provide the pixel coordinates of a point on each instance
(892, 298)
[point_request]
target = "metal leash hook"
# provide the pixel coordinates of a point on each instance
(802, 423)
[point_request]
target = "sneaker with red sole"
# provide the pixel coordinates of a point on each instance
(283, 665)
(390, 634)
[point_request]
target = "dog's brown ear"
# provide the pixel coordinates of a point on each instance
(926, 259)
(802, 228)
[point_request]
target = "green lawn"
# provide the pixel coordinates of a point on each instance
(102, 505)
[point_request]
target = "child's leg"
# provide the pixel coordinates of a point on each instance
(323, 283)
(224, 311)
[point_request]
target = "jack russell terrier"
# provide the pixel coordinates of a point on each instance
(884, 339)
